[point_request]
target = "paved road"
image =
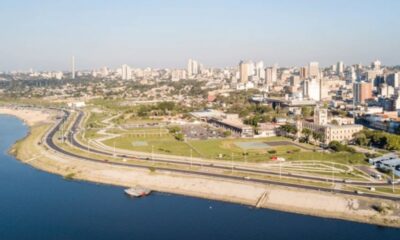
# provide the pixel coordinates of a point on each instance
(158, 158)
(52, 145)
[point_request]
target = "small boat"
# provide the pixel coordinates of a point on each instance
(137, 191)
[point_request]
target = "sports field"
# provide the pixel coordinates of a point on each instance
(255, 150)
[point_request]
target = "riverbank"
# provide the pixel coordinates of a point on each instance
(265, 196)
(30, 116)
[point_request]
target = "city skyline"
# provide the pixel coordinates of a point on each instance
(165, 35)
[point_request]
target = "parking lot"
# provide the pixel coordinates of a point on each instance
(200, 131)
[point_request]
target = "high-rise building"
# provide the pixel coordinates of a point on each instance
(361, 92)
(260, 73)
(313, 70)
(126, 72)
(193, 68)
(312, 89)
(244, 71)
(393, 80)
(376, 65)
(304, 72)
(271, 75)
(73, 68)
(295, 81)
(339, 68)
(251, 68)
(190, 68)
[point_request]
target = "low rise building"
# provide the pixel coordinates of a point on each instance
(328, 132)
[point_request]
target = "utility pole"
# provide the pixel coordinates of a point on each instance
(232, 162)
(393, 179)
(333, 176)
(152, 154)
(62, 131)
(191, 158)
(114, 149)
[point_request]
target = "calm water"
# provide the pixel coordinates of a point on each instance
(38, 205)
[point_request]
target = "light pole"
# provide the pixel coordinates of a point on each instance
(88, 146)
(333, 175)
(393, 179)
(152, 153)
(191, 158)
(232, 162)
(62, 131)
(114, 148)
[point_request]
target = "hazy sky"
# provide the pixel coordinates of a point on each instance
(44, 34)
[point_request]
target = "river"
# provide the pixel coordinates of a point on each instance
(38, 205)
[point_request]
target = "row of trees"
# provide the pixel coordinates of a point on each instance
(307, 134)
(160, 109)
(339, 147)
(378, 139)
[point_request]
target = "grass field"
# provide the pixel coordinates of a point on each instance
(226, 148)
(166, 144)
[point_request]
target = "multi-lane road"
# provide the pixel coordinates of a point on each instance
(71, 137)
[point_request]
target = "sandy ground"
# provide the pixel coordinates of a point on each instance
(29, 115)
(355, 208)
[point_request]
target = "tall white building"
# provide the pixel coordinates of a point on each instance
(313, 70)
(126, 72)
(251, 68)
(193, 68)
(340, 68)
(376, 65)
(260, 73)
(312, 89)
(73, 68)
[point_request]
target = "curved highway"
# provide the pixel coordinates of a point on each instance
(71, 136)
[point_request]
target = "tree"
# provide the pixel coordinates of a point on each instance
(334, 122)
(306, 111)
(338, 147)
(318, 136)
(179, 136)
(227, 133)
(361, 139)
(307, 133)
(288, 128)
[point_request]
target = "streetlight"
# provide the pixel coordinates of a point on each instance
(191, 158)
(232, 162)
(114, 149)
(333, 176)
(152, 154)
(393, 179)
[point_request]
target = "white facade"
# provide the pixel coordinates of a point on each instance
(260, 73)
(313, 70)
(126, 72)
(312, 89)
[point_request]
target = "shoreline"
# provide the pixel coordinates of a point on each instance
(284, 199)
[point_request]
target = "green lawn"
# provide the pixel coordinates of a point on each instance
(166, 144)
(214, 148)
